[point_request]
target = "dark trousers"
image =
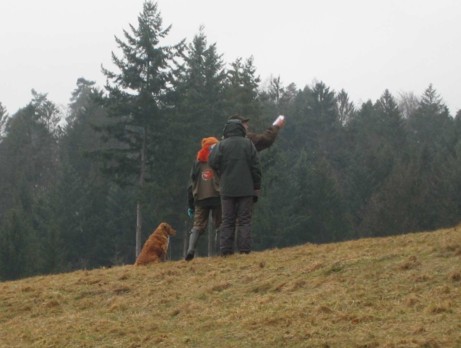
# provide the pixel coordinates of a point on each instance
(236, 211)
(201, 217)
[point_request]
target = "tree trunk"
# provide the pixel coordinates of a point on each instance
(138, 228)
(138, 204)
(210, 235)
(185, 238)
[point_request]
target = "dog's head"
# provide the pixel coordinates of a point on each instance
(167, 229)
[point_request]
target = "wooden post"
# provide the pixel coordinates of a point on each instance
(210, 235)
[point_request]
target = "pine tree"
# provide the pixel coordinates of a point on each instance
(242, 90)
(275, 100)
(427, 124)
(200, 87)
(79, 192)
(199, 113)
(139, 97)
(30, 149)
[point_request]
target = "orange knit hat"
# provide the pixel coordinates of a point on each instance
(209, 141)
(203, 154)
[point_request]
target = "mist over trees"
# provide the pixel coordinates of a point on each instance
(87, 192)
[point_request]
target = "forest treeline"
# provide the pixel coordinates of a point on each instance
(87, 192)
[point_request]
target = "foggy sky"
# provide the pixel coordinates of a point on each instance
(363, 47)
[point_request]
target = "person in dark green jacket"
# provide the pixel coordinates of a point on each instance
(235, 160)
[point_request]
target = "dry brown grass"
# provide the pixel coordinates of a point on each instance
(385, 292)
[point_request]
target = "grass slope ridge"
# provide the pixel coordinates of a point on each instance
(402, 291)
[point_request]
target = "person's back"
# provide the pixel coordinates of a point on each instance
(203, 196)
(236, 162)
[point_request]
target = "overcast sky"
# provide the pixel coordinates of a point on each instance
(361, 46)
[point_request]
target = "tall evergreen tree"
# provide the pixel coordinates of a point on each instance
(30, 149)
(81, 191)
(382, 144)
(200, 87)
(428, 123)
(269, 224)
(138, 103)
(199, 113)
(242, 90)
(315, 122)
(376, 142)
(323, 107)
(432, 137)
(323, 112)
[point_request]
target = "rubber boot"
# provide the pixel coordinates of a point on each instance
(193, 239)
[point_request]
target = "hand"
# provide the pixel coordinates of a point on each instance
(280, 121)
(190, 212)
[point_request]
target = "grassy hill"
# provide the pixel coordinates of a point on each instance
(400, 291)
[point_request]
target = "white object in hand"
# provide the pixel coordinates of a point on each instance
(278, 120)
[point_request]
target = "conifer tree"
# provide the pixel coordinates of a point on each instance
(428, 123)
(138, 102)
(200, 87)
(80, 193)
(242, 90)
(199, 113)
(30, 151)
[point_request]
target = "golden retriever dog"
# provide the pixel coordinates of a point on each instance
(156, 247)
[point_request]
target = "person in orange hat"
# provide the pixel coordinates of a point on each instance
(203, 196)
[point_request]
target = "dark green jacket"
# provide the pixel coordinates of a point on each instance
(236, 162)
